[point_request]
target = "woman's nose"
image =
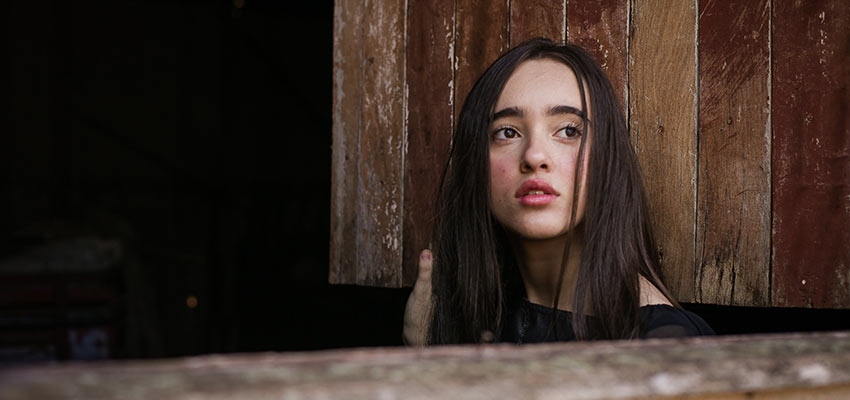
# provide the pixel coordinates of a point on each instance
(536, 157)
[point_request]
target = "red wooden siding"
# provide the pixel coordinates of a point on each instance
(601, 28)
(811, 153)
(481, 28)
(538, 18)
(430, 95)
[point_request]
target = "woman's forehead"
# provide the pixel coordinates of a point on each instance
(539, 85)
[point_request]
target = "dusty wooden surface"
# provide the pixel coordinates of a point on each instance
(724, 367)
(662, 107)
(538, 18)
(601, 27)
(733, 186)
(811, 153)
(430, 97)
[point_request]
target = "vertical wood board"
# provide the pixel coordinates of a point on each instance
(602, 29)
(380, 187)
(368, 142)
(430, 98)
(537, 18)
(348, 22)
(662, 106)
(481, 35)
(811, 153)
(733, 206)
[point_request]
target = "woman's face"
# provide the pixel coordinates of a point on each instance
(534, 144)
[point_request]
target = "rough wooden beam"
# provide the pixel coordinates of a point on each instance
(778, 366)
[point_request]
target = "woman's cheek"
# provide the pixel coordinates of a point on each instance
(498, 175)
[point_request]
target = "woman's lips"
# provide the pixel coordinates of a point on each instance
(536, 199)
(536, 192)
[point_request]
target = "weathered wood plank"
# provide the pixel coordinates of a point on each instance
(380, 187)
(601, 28)
(367, 186)
(743, 367)
(733, 187)
(430, 99)
(347, 89)
(481, 29)
(537, 18)
(662, 104)
(811, 153)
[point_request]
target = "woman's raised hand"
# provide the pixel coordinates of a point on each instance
(417, 312)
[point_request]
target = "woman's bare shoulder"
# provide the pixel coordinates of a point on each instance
(650, 295)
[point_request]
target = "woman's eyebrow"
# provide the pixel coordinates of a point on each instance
(563, 109)
(508, 112)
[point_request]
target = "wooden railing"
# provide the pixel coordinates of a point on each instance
(787, 366)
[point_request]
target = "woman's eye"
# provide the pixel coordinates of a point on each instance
(569, 132)
(505, 133)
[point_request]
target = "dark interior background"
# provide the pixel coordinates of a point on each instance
(196, 135)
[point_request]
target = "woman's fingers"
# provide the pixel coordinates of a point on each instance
(425, 263)
(419, 303)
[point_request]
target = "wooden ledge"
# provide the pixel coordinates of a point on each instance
(766, 366)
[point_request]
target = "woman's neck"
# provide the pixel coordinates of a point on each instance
(540, 263)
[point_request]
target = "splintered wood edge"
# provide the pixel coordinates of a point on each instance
(713, 366)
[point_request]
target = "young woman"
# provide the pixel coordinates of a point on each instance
(542, 231)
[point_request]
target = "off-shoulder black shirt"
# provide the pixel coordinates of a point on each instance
(529, 323)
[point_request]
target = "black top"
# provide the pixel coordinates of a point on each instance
(529, 323)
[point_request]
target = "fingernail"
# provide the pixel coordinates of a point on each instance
(426, 255)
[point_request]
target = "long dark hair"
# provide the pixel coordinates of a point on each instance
(475, 271)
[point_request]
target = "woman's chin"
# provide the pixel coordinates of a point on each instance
(539, 233)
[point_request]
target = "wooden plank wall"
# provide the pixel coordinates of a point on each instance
(737, 110)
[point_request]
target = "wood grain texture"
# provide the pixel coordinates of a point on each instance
(601, 28)
(790, 366)
(368, 141)
(662, 103)
(430, 98)
(379, 195)
(481, 29)
(811, 153)
(347, 90)
(733, 187)
(537, 18)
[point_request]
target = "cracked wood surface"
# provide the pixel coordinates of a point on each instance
(744, 367)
